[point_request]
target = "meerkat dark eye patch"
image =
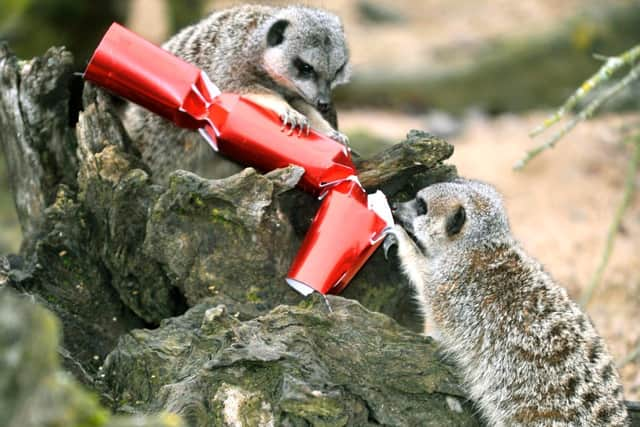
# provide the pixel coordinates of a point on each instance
(421, 207)
(456, 221)
(275, 35)
(304, 68)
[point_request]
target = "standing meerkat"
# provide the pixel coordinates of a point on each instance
(286, 59)
(528, 355)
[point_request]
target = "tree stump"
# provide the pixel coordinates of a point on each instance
(200, 263)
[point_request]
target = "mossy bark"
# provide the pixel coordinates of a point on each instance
(296, 365)
(34, 391)
(109, 251)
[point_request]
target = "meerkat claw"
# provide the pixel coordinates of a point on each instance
(340, 137)
(294, 120)
(390, 241)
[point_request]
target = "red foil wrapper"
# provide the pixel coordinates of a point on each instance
(131, 67)
(252, 135)
(346, 229)
(343, 235)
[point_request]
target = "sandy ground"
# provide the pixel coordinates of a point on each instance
(560, 207)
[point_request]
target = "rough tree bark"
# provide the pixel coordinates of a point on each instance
(202, 262)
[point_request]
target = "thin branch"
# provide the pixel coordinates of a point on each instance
(629, 358)
(611, 66)
(585, 114)
(629, 190)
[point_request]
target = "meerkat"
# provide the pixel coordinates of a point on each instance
(286, 59)
(527, 353)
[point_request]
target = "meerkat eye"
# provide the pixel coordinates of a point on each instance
(303, 68)
(456, 221)
(421, 207)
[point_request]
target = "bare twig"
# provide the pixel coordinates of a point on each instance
(585, 114)
(629, 357)
(629, 190)
(611, 66)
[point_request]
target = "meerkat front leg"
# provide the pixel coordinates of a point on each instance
(289, 116)
(319, 123)
(413, 263)
(411, 258)
(300, 115)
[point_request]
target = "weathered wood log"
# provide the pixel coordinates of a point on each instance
(109, 252)
(38, 144)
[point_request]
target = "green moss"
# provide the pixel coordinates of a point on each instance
(66, 261)
(197, 200)
(253, 295)
(306, 304)
(222, 217)
(323, 410)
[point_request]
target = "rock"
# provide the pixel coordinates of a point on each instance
(34, 391)
(295, 365)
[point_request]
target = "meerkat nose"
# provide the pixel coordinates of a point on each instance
(323, 106)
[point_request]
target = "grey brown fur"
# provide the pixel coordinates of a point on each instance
(529, 355)
(261, 52)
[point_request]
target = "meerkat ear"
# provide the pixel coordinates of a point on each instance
(456, 221)
(275, 35)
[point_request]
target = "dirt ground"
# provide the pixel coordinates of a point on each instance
(560, 207)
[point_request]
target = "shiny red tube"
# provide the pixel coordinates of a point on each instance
(345, 231)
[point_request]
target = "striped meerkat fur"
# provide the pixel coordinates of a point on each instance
(528, 354)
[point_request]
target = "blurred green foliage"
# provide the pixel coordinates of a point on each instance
(32, 26)
(184, 12)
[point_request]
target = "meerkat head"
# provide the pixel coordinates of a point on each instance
(306, 54)
(453, 215)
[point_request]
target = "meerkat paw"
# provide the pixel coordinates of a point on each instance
(390, 241)
(339, 136)
(294, 120)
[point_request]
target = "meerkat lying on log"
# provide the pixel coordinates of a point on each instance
(286, 59)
